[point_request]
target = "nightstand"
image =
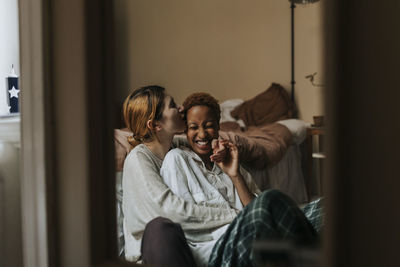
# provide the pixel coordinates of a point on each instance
(315, 152)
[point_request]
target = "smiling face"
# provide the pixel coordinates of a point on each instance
(202, 128)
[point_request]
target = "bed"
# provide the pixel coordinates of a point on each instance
(269, 139)
(272, 154)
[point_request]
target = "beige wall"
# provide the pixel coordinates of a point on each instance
(230, 48)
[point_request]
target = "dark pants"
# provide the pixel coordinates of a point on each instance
(164, 244)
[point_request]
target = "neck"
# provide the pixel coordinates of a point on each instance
(161, 146)
(207, 162)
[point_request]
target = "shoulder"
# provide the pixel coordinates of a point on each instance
(142, 156)
(179, 141)
(139, 151)
(180, 156)
(141, 164)
(178, 153)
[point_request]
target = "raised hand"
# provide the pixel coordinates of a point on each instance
(228, 160)
(219, 148)
(230, 165)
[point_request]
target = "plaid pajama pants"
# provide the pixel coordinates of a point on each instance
(272, 215)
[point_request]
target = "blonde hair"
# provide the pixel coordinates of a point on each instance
(143, 104)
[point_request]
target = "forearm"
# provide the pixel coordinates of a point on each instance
(144, 205)
(192, 216)
(245, 195)
(146, 195)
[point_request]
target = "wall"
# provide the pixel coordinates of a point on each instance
(9, 46)
(233, 49)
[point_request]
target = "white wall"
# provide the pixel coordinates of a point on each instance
(9, 46)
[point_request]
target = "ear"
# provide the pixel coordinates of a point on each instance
(153, 125)
(149, 124)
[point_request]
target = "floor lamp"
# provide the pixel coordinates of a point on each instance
(292, 7)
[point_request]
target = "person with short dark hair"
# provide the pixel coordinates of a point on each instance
(193, 174)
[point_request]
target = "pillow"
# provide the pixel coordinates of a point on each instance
(270, 106)
(226, 107)
(298, 128)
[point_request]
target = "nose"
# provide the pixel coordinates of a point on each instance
(202, 133)
(180, 108)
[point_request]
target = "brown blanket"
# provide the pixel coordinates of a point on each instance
(261, 147)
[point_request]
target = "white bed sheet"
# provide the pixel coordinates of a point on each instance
(286, 176)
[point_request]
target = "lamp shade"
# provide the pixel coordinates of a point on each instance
(303, 1)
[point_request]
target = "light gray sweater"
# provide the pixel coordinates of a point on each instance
(145, 197)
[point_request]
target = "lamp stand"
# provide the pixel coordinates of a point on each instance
(292, 82)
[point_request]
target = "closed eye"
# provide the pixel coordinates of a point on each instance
(210, 125)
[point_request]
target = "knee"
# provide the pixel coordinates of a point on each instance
(159, 223)
(163, 229)
(274, 194)
(273, 197)
(164, 244)
(270, 195)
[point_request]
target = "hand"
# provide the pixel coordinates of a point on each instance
(219, 150)
(230, 165)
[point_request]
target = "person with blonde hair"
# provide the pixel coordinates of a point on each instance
(148, 203)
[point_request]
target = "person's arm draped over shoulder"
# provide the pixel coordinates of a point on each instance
(146, 196)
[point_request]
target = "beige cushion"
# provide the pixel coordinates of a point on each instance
(122, 147)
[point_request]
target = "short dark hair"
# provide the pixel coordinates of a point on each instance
(202, 99)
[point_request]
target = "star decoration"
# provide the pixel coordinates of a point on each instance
(13, 92)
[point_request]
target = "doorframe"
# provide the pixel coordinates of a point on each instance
(35, 160)
(48, 33)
